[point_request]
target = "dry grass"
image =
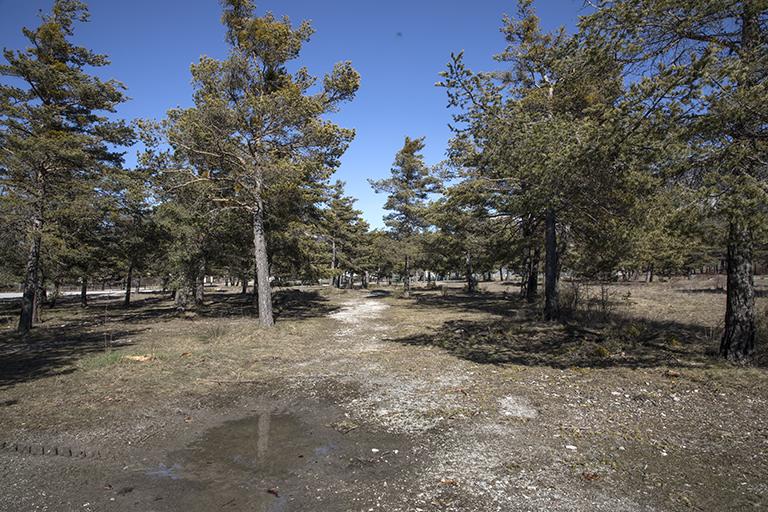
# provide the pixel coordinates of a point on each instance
(489, 393)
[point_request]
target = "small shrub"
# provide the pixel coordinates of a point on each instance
(673, 342)
(632, 331)
(601, 352)
(213, 333)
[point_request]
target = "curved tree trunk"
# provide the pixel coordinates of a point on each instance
(738, 341)
(266, 317)
(551, 278)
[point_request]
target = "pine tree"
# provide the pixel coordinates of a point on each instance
(408, 187)
(535, 143)
(255, 131)
(342, 229)
(704, 65)
(53, 130)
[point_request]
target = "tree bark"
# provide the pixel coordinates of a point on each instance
(266, 317)
(200, 283)
(31, 272)
(407, 279)
(551, 278)
(56, 293)
(469, 272)
(181, 296)
(37, 316)
(128, 281)
(84, 291)
(738, 341)
(255, 287)
(334, 263)
(532, 286)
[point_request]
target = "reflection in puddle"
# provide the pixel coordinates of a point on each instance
(324, 450)
(267, 447)
(262, 442)
(163, 471)
(273, 461)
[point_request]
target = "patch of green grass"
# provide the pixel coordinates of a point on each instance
(101, 360)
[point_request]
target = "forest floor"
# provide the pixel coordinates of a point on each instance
(361, 400)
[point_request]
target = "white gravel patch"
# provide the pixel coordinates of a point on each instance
(517, 407)
(359, 312)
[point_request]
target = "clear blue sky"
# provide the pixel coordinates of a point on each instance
(398, 46)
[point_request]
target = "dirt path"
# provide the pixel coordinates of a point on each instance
(479, 448)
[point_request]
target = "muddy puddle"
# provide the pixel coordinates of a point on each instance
(279, 459)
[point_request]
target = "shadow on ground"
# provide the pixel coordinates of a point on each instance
(719, 291)
(51, 350)
(517, 336)
(71, 332)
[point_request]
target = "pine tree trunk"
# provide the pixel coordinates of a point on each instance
(738, 341)
(84, 291)
(469, 272)
(31, 272)
(532, 287)
(334, 263)
(128, 282)
(551, 285)
(244, 289)
(200, 284)
(56, 293)
(39, 298)
(266, 318)
(407, 279)
(181, 297)
(255, 287)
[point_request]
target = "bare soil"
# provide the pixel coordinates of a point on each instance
(361, 400)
